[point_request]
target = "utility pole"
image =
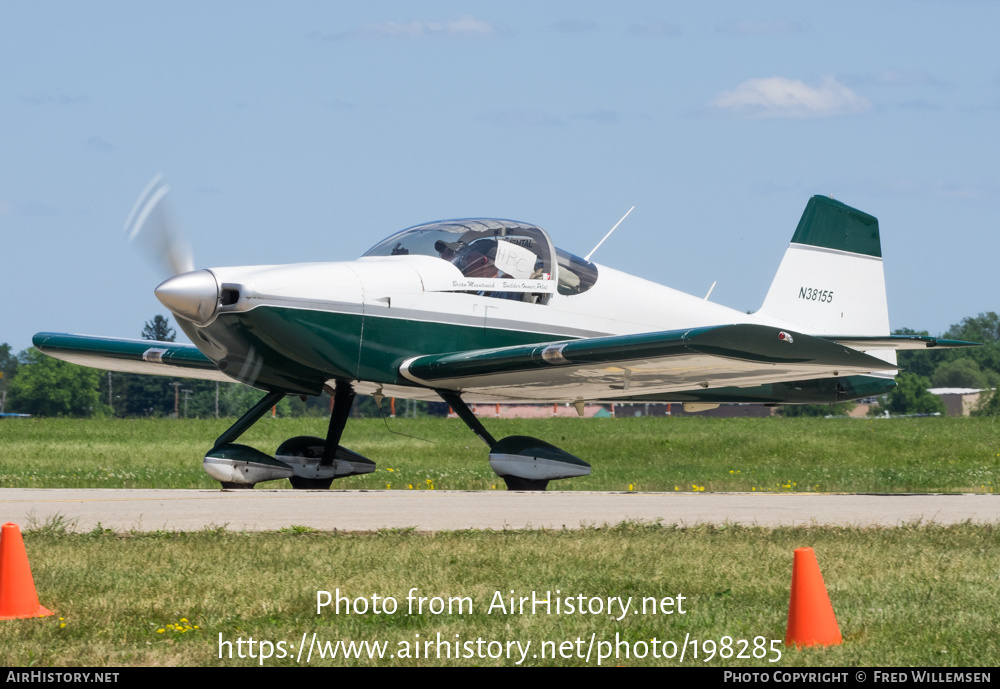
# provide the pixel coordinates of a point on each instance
(187, 396)
(216, 399)
(177, 400)
(110, 403)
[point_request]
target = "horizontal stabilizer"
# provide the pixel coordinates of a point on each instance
(897, 342)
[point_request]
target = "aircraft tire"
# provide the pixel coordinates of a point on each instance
(518, 483)
(300, 483)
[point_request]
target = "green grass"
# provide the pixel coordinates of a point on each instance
(648, 454)
(921, 595)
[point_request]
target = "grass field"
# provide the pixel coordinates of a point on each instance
(922, 595)
(647, 454)
(909, 596)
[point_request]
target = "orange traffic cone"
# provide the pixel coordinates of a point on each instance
(811, 621)
(17, 589)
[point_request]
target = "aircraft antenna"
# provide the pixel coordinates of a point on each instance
(587, 257)
(378, 404)
(710, 290)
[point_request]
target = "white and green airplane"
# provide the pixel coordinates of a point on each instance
(489, 310)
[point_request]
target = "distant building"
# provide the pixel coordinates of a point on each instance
(543, 411)
(957, 401)
(532, 411)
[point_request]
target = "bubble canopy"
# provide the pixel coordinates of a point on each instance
(490, 249)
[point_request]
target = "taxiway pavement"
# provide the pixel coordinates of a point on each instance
(432, 510)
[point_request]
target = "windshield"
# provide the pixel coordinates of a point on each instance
(576, 275)
(501, 258)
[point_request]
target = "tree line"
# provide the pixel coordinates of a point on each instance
(971, 367)
(33, 383)
(921, 369)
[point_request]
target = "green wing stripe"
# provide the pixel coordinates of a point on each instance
(756, 343)
(92, 351)
(835, 225)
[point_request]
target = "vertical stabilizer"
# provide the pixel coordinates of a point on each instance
(830, 281)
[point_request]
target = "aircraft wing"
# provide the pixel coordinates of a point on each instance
(130, 356)
(605, 368)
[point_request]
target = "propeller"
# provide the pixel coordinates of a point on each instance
(189, 294)
(149, 225)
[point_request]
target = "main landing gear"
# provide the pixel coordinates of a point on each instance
(524, 463)
(306, 461)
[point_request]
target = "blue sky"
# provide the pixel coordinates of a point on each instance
(310, 130)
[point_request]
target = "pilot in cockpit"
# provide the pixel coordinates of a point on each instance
(447, 250)
(469, 259)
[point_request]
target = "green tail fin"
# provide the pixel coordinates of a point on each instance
(833, 225)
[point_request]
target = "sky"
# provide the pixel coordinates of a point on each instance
(309, 131)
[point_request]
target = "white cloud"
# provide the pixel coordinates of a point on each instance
(465, 26)
(781, 97)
